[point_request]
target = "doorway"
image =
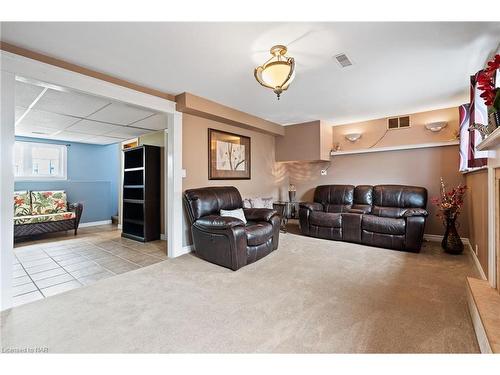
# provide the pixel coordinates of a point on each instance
(15, 69)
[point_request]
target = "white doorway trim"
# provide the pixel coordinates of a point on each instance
(7, 103)
(13, 65)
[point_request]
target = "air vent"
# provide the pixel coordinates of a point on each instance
(40, 133)
(343, 60)
(398, 122)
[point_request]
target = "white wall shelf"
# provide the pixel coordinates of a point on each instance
(395, 148)
(491, 142)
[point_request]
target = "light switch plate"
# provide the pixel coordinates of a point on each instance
(183, 173)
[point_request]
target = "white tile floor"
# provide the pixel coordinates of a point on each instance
(60, 262)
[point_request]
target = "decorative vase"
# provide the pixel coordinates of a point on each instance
(452, 244)
(291, 196)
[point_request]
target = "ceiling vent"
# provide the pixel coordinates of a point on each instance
(398, 122)
(343, 60)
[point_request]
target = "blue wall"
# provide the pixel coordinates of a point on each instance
(93, 178)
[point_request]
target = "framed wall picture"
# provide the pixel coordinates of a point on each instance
(228, 156)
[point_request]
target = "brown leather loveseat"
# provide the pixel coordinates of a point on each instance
(227, 241)
(389, 216)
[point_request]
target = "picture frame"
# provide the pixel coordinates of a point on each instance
(229, 156)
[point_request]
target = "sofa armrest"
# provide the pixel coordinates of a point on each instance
(259, 214)
(77, 208)
(311, 206)
(414, 233)
(415, 212)
(216, 222)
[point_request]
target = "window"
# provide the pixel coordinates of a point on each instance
(39, 161)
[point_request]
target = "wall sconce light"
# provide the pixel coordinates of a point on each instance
(436, 126)
(353, 137)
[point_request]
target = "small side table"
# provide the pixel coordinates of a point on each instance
(287, 210)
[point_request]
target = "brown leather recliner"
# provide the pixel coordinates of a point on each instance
(389, 216)
(227, 241)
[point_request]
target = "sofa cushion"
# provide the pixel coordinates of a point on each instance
(48, 202)
(31, 219)
(335, 198)
(386, 225)
(258, 233)
(325, 219)
(22, 203)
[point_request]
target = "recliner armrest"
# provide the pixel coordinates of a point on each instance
(311, 206)
(216, 222)
(259, 214)
(415, 212)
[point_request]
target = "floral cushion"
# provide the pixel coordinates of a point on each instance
(22, 206)
(30, 219)
(48, 202)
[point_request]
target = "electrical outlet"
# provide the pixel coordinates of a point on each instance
(323, 172)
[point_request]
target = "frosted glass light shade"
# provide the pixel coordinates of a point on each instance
(278, 72)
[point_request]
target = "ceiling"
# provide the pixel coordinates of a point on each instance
(49, 112)
(398, 68)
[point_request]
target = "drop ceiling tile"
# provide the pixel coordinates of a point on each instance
(118, 113)
(93, 127)
(70, 103)
(102, 140)
(19, 112)
(33, 130)
(71, 136)
(127, 132)
(47, 120)
(26, 93)
(156, 122)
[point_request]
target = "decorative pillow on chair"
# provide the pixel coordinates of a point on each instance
(247, 203)
(238, 214)
(48, 202)
(262, 202)
(22, 206)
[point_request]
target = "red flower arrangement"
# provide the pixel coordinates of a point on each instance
(449, 202)
(486, 83)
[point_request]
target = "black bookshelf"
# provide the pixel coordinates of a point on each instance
(141, 193)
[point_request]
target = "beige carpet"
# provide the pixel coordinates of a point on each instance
(309, 296)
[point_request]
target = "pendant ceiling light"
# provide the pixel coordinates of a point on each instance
(278, 72)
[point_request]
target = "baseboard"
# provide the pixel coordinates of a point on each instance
(476, 262)
(184, 250)
(439, 238)
(94, 223)
(465, 240)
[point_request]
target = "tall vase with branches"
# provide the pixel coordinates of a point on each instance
(449, 204)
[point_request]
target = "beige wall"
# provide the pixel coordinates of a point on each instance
(420, 167)
(373, 130)
(201, 107)
(300, 142)
(308, 141)
(477, 214)
(268, 178)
